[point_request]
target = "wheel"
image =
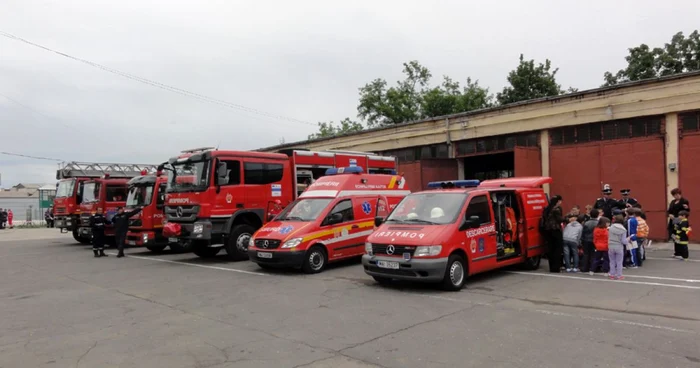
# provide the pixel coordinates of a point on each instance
(205, 252)
(156, 248)
(382, 280)
(237, 242)
(180, 247)
(455, 273)
(81, 239)
(315, 260)
(532, 263)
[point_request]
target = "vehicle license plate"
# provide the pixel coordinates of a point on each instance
(131, 242)
(385, 264)
(264, 255)
(172, 240)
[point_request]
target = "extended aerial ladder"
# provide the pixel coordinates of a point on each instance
(72, 175)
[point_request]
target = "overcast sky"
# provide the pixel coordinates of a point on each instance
(303, 60)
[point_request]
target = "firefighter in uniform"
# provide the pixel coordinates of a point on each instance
(121, 227)
(627, 201)
(97, 224)
(606, 204)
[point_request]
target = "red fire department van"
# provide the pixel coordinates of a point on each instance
(217, 199)
(69, 193)
(328, 222)
(146, 227)
(105, 193)
(459, 229)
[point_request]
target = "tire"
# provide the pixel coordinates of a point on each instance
(455, 273)
(180, 247)
(382, 280)
(81, 239)
(532, 263)
(237, 242)
(156, 248)
(315, 260)
(205, 252)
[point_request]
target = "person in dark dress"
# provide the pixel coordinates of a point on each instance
(553, 232)
(677, 205)
(627, 201)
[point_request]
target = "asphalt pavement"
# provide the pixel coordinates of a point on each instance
(61, 307)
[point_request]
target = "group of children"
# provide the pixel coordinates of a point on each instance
(606, 245)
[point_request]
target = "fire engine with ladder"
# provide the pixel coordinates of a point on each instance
(69, 192)
(216, 199)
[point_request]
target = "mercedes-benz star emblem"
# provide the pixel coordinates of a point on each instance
(265, 244)
(390, 249)
(178, 211)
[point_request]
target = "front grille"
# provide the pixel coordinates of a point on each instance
(181, 213)
(135, 222)
(60, 210)
(85, 220)
(271, 244)
(399, 250)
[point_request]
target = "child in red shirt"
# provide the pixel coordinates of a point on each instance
(600, 240)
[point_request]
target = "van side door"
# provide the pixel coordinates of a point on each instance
(532, 204)
(480, 240)
(342, 242)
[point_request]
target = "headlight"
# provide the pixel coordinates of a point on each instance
(368, 248)
(145, 237)
(291, 243)
(427, 250)
(198, 228)
(251, 243)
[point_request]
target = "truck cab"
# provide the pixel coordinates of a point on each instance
(328, 222)
(146, 227)
(217, 199)
(106, 194)
(458, 229)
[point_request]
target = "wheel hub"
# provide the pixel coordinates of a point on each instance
(242, 242)
(316, 260)
(456, 273)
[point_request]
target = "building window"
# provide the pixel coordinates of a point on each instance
(420, 153)
(497, 143)
(690, 121)
(617, 129)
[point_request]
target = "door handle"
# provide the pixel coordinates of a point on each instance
(239, 205)
(355, 227)
(531, 228)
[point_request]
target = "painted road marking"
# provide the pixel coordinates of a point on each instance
(195, 265)
(673, 259)
(604, 280)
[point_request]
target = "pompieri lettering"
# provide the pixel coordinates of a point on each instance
(400, 234)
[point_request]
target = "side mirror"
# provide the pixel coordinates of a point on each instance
(335, 218)
(378, 221)
(471, 223)
(221, 170)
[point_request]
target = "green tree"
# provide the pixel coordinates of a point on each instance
(529, 81)
(680, 55)
(450, 99)
(329, 129)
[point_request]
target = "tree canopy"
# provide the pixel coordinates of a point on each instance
(529, 81)
(329, 129)
(681, 55)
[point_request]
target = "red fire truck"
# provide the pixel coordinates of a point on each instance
(217, 199)
(69, 193)
(146, 227)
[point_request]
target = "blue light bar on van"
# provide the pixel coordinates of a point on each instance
(453, 184)
(345, 170)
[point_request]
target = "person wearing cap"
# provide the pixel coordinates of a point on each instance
(606, 204)
(121, 227)
(627, 201)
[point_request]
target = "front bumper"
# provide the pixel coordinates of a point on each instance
(187, 230)
(279, 258)
(66, 222)
(136, 238)
(427, 270)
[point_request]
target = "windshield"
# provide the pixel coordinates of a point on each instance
(139, 196)
(65, 188)
(189, 176)
(436, 208)
(91, 192)
(307, 209)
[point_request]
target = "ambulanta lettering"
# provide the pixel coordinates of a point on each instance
(534, 195)
(481, 231)
(270, 229)
(400, 234)
(325, 184)
(537, 201)
(179, 200)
